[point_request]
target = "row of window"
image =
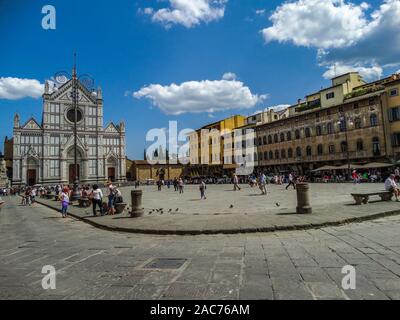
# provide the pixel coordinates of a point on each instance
(283, 154)
(319, 130)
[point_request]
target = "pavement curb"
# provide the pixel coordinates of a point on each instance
(230, 231)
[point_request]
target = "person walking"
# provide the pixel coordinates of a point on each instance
(180, 183)
(97, 196)
(262, 183)
(291, 181)
(236, 183)
(203, 188)
(64, 197)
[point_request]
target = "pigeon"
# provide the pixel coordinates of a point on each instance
(169, 210)
(278, 204)
(176, 209)
(231, 206)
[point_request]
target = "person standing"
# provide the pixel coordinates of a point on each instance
(111, 197)
(64, 197)
(203, 188)
(97, 196)
(291, 181)
(235, 183)
(397, 174)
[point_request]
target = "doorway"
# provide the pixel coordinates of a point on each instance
(72, 173)
(111, 174)
(31, 177)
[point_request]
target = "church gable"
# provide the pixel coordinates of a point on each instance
(31, 124)
(111, 128)
(64, 93)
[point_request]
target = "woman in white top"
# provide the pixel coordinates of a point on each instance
(97, 196)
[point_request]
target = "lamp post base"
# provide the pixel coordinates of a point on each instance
(76, 193)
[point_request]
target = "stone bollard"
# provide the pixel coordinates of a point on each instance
(137, 209)
(303, 199)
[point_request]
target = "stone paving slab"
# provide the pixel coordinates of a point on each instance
(262, 217)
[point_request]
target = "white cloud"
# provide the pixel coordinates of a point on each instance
(278, 107)
(16, 88)
(368, 73)
(188, 13)
(229, 76)
(260, 12)
(200, 96)
(345, 34)
(318, 23)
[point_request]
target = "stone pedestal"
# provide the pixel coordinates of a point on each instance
(136, 200)
(303, 199)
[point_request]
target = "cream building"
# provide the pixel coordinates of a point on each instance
(43, 152)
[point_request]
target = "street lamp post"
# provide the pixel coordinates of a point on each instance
(61, 78)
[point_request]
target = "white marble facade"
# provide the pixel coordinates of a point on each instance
(44, 152)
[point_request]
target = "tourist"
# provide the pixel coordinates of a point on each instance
(203, 188)
(159, 185)
(111, 196)
(180, 184)
(390, 185)
(291, 181)
(262, 183)
(64, 201)
(397, 174)
(97, 195)
(235, 183)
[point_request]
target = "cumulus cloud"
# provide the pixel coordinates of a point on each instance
(368, 73)
(229, 76)
(17, 88)
(343, 33)
(200, 96)
(188, 13)
(318, 23)
(278, 107)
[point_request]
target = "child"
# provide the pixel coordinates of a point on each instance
(64, 202)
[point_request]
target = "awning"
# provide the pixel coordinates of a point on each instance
(325, 168)
(376, 165)
(352, 166)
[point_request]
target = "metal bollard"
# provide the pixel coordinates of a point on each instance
(303, 199)
(136, 200)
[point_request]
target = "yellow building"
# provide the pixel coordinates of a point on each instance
(206, 145)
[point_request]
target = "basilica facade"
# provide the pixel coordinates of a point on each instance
(43, 152)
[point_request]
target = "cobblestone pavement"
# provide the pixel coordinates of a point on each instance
(97, 264)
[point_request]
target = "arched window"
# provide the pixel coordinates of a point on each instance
(331, 149)
(342, 125)
(289, 136)
(297, 134)
(255, 156)
(343, 146)
(282, 137)
(260, 156)
(290, 153)
(276, 154)
(329, 128)
(298, 152)
(318, 130)
(283, 154)
(360, 145)
(373, 120)
(265, 155)
(271, 155)
(309, 151)
(357, 123)
(308, 132)
(320, 149)
(276, 138)
(259, 141)
(269, 139)
(265, 139)
(376, 148)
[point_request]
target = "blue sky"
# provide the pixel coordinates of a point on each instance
(129, 45)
